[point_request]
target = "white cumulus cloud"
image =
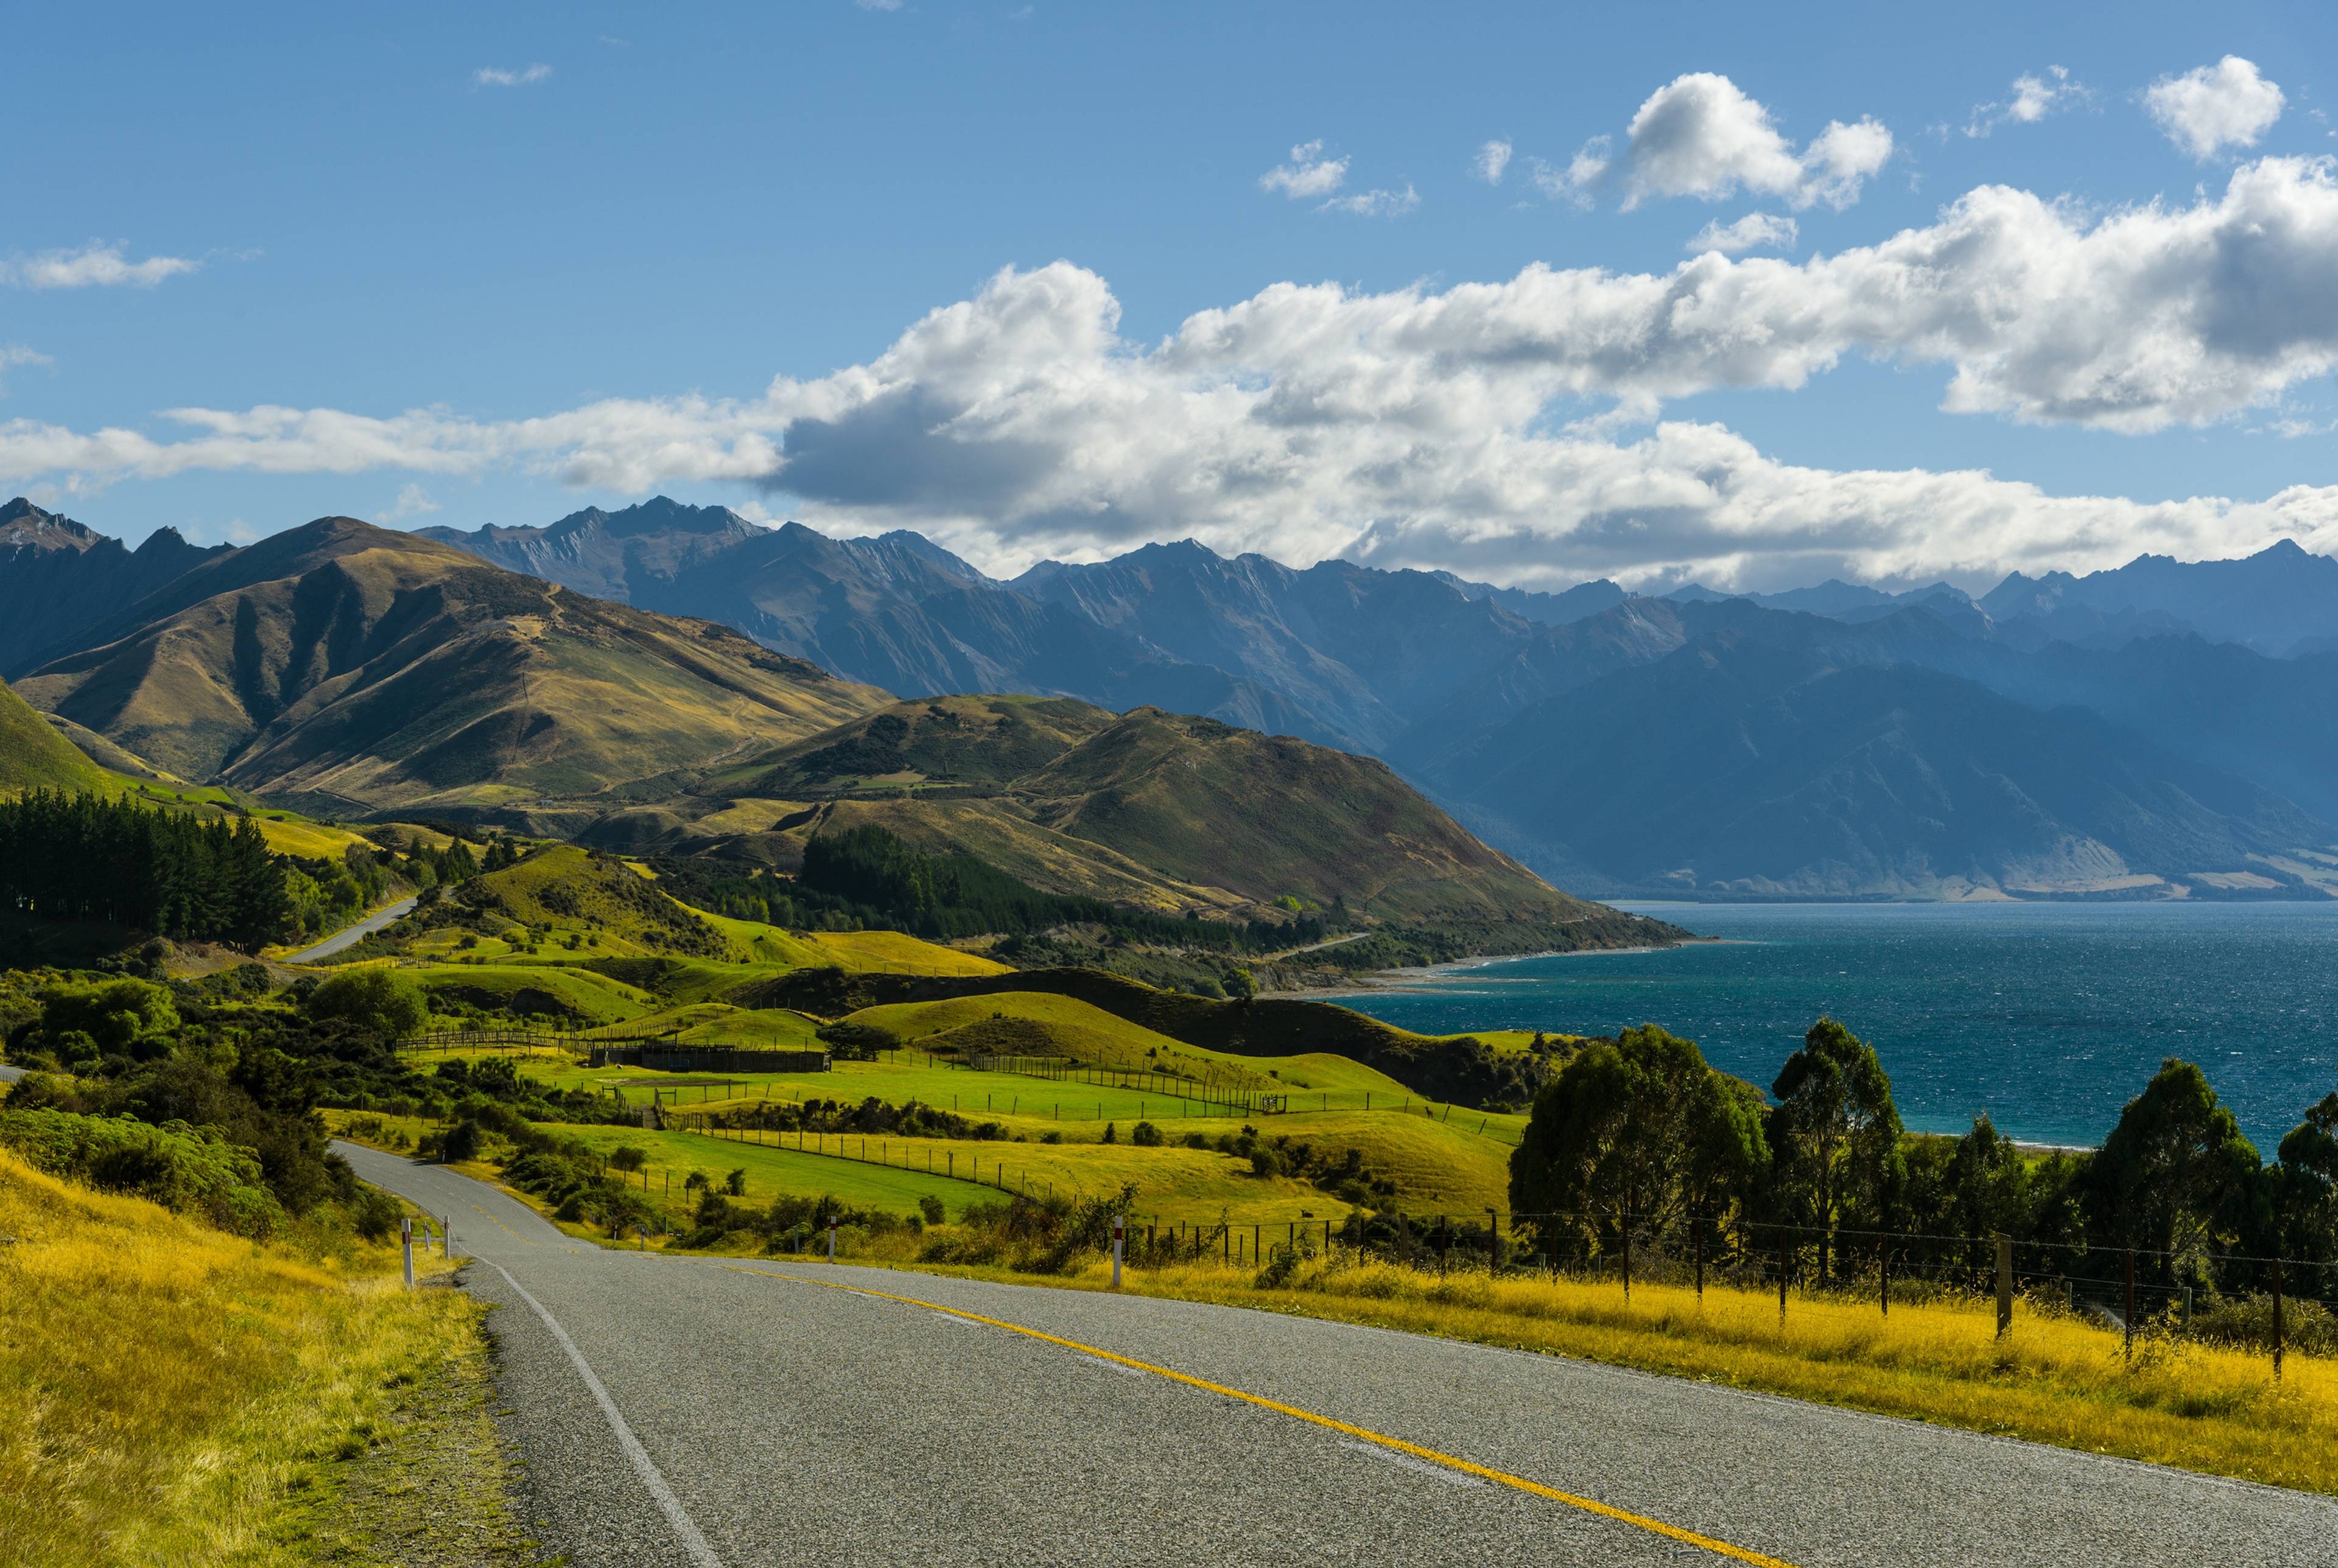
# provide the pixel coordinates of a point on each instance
(1492, 158)
(1309, 173)
(1415, 426)
(95, 265)
(497, 76)
(1700, 135)
(1754, 231)
(2213, 107)
(2035, 96)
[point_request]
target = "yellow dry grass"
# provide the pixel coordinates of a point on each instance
(172, 1394)
(2055, 1380)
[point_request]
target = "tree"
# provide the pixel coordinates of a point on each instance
(1240, 985)
(2175, 1176)
(460, 1141)
(381, 1000)
(1636, 1133)
(1836, 1133)
(2306, 1195)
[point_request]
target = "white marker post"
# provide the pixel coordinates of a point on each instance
(406, 1245)
(1119, 1240)
(831, 1238)
(446, 1239)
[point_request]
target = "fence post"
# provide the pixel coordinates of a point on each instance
(2127, 1323)
(2277, 1318)
(2004, 1286)
(1444, 1240)
(1782, 1280)
(406, 1247)
(1493, 1244)
(1883, 1272)
(1119, 1237)
(831, 1238)
(1696, 1230)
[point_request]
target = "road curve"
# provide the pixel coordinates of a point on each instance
(349, 936)
(698, 1412)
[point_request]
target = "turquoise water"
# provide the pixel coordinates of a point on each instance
(2047, 1016)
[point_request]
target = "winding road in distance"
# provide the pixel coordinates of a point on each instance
(695, 1412)
(350, 936)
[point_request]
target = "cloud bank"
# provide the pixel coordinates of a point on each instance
(1418, 426)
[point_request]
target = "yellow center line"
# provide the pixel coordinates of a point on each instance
(1398, 1444)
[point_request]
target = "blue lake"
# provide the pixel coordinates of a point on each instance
(2047, 1016)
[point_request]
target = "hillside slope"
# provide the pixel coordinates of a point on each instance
(34, 756)
(363, 669)
(1162, 810)
(58, 580)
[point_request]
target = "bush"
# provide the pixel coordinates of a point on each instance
(930, 1208)
(184, 1168)
(625, 1157)
(1144, 1135)
(374, 1213)
(735, 1183)
(1111, 1134)
(382, 1000)
(460, 1141)
(110, 1018)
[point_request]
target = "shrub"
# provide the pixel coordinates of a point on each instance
(625, 1157)
(382, 1000)
(188, 1169)
(735, 1183)
(930, 1206)
(1144, 1135)
(1111, 1134)
(374, 1213)
(460, 1141)
(110, 1018)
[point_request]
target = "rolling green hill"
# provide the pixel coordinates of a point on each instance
(34, 756)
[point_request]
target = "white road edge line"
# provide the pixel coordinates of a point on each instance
(668, 1504)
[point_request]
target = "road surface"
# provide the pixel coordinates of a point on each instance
(694, 1412)
(349, 936)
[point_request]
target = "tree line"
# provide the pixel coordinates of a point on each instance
(1638, 1137)
(83, 856)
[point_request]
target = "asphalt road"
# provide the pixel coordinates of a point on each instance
(696, 1412)
(349, 936)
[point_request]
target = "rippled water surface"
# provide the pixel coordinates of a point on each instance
(2047, 1016)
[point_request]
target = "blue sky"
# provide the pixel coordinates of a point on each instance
(650, 216)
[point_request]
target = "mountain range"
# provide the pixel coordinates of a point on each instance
(350, 671)
(2163, 729)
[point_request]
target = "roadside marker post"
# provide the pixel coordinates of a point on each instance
(1119, 1239)
(406, 1247)
(831, 1238)
(446, 1239)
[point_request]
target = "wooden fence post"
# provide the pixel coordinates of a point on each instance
(2277, 1318)
(2004, 1286)
(2128, 1318)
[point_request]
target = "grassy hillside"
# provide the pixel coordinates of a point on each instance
(983, 742)
(34, 756)
(1460, 1068)
(176, 1395)
(1147, 808)
(342, 663)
